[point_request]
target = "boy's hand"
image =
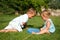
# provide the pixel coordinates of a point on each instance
(23, 23)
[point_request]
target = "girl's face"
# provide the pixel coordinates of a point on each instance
(43, 17)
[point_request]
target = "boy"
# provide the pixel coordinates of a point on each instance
(18, 23)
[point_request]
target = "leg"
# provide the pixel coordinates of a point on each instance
(48, 32)
(8, 30)
(11, 30)
(3, 30)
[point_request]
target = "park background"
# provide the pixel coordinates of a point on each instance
(9, 9)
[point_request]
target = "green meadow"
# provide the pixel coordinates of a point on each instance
(35, 22)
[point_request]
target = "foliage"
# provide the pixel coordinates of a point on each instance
(54, 4)
(10, 6)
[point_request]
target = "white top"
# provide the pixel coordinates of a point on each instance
(19, 22)
(21, 19)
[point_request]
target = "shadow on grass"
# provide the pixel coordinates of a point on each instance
(28, 26)
(31, 26)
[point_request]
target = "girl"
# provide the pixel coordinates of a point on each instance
(48, 25)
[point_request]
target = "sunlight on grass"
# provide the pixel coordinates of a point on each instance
(34, 22)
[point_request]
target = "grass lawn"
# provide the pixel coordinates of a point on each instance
(35, 22)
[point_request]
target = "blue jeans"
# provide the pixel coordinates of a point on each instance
(30, 30)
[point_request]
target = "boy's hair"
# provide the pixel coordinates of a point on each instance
(46, 12)
(32, 10)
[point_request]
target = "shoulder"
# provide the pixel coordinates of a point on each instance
(25, 16)
(49, 20)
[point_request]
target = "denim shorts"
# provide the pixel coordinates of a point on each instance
(30, 30)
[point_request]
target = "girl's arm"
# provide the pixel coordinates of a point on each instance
(44, 30)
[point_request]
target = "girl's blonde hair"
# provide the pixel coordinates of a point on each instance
(46, 13)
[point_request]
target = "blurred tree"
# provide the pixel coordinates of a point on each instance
(10, 6)
(54, 4)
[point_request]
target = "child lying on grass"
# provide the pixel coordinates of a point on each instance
(48, 25)
(18, 23)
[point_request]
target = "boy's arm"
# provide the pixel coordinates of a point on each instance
(24, 24)
(44, 30)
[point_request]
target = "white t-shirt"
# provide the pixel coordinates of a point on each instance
(17, 22)
(20, 19)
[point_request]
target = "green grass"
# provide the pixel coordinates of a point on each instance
(34, 22)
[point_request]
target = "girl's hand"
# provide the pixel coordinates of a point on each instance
(41, 29)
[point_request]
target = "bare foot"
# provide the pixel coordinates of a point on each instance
(48, 32)
(33, 32)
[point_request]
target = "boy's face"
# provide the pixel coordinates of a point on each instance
(31, 15)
